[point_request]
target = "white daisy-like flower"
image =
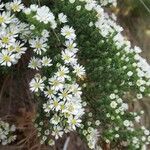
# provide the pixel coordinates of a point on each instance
(76, 90)
(62, 18)
(62, 73)
(6, 58)
(49, 93)
(68, 32)
(79, 71)
(65, 95)
(6, 39)
(39, 45)
(93, 138)
(71, 46)
(19, 48)
(46, 62)
(56, 84)
(113, 104)
(35, 63)
(16, 5)
(74, 122)
(44, 15)
(57, 132)
(68, 57)
(33, 7)
(37, 84)
(5, 18)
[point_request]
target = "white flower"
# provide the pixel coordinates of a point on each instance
(65, 94)
(56, 83)
(68, 57)
(6, 58)
(76, 90)
(39, 45)
(112, 96)
(57, 132)
(16, 5)
(130, 73)
(90, 5)
(68, 32)
(113, 104)
(126, 123)
(35, 63)
(33, 7)
(50, 93)
(44, 15)
(79, 71)
(5, 18)
(19, 47)
(74, 122)
(36, 84)
(62, 73)
(46, 61)
(6, 39)
(92, 138)
(71, 46)
(72, 1)
(62, 18)
(139, 96)
(55, 119)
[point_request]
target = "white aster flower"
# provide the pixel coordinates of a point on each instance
(49, 93)
(35, 63)
(6, 58)
(5, 18)
(16, 5)
(56, 83)
(71, 46)
(57, 132)
(62, 73)
(46, 61)
(65, 95)
(39, 45)
(74, 122)
(36, 84)
(76, 90)
(68, 32)
(44, 15)
(79, 71)
(113, 104)
(68, 57)
(62, 18)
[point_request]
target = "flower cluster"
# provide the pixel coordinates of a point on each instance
(117, 59)
(7, 133)
(62, 105)
(13, 34)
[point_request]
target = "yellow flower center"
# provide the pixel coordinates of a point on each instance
(38, 45)
(64, 94)
(6, 58)
(18, 49)
(61, 73)
(11, 48)
(15, 7)
(55, 103)
(2, 19)
(5, 40)
(73, 121)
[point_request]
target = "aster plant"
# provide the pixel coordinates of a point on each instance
(86, 71)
